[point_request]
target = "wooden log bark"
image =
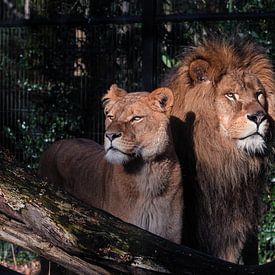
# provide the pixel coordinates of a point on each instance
(37, 216)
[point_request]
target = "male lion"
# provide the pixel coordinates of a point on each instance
(138, 177)
(221, 122)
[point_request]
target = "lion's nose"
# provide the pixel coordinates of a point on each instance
(258, 117)
(112, 136)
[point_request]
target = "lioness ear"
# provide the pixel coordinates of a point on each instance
(113, 94)
(198, 70)
(162, 99)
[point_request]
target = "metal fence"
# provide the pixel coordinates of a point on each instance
(86, 55)
(72, 51)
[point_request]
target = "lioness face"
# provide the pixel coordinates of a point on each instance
(136, 124)
(241, 107)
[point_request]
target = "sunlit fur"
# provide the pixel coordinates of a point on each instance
(137, 177)
(216, 86)
(116, 157)
(253, 145)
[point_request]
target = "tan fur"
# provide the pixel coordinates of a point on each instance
(218, 88)
(142, 185)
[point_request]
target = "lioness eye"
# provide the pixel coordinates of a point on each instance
(136, 118)
(231, 96)
(110, 117)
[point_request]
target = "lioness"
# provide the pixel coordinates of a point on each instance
(137, 177)
(222, 122)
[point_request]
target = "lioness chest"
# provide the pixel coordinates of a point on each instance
(151, 215)
(151, 207)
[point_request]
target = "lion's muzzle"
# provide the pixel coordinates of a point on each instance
(258, 117)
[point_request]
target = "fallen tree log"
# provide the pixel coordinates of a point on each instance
(37, 216)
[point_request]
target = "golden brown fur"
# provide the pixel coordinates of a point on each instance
(224, 91)
(137, 177)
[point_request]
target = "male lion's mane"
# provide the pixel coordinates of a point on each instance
(223, 185)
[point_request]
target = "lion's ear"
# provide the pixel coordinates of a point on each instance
(162, 99)
(113, 94)
(198, 70)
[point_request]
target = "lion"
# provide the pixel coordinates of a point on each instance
(136, 176)
(222, 122)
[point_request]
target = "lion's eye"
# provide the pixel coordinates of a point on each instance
(260, 97)
(231, 96)
(259, 94)
(136, 118)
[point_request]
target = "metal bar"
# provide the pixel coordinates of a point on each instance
(148, 43)
(215, 16)
(68, 20)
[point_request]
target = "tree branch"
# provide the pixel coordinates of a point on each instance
(37, 216)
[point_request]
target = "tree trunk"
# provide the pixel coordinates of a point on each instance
(37, 216)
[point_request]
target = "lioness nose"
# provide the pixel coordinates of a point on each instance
(112, 136)
(257, 117)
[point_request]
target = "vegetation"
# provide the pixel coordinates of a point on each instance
(8, 252)
(267, 234)
(53, 116)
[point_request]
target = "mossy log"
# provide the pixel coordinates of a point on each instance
(37, 216)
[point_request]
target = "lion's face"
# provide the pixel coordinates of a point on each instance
(136, 124)
(241, 106)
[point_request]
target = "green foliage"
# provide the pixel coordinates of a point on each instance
(267, 232)
(52, 116)
(168, 61)
(267, 229)
(9, 253)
